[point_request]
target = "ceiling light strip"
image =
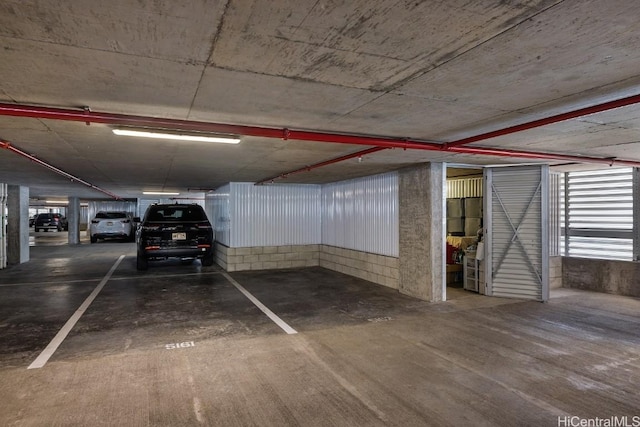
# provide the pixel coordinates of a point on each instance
(8, 146)
(177, 136)
(88, 116)
(160, 193)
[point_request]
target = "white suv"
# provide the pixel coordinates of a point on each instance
(112, 224)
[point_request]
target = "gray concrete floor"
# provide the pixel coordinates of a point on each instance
(364, 355)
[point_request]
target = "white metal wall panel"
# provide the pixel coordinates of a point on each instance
(4, 194)
(555, 211)
(218, 209)
(517, 234)
(362, 214)
(274, 215)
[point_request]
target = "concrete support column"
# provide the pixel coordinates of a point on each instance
(18, 225)
(73, 218)
(422, 222)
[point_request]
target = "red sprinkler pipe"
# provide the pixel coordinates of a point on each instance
(540, 156)
(88, 116)
(321, 164)
(8, 146)
(548, 120)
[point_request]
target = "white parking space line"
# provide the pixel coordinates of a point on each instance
(59, 282)
(278, 321)
(43, 358)
(163, 276)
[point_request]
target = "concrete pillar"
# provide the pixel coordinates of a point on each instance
(422, 221)
(18, 225)
(73, 218)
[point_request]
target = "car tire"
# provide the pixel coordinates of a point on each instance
(94, 239)
(142, 263)
(207, 260)
(37, 229)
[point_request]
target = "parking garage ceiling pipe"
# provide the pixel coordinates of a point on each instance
(599, 108)
(358, 154)
(88, 116)
(6, 145)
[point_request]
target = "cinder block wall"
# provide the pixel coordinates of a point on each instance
(611, 277)
(266, 257)
(555, 272)
(375, 268)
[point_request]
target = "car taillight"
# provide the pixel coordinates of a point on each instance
(125, 221)
(204, 225)
(95, 221)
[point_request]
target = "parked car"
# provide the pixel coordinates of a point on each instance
(175, 231)
(50, 221)
(119, 225)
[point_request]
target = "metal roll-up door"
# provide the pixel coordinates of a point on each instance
(516, 232)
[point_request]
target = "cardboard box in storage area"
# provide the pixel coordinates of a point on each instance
(471, 226)
(455, 226)
(455, 208)
(473, 207)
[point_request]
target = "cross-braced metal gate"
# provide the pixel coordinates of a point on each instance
(516, 232)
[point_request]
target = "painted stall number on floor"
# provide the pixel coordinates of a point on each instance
(185, 344)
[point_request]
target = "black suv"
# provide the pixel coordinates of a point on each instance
(175, 231)
(50, 221)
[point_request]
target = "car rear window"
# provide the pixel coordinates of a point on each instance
(177, 213)
(110, 215)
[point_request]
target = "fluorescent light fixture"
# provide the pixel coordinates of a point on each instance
(178, 136)
(57, 202)
(160, 193)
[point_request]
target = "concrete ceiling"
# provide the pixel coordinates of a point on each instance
(424, 70)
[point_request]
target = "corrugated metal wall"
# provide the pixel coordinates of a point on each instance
(554, 214)
(359, 214)
(218, 209)
(4, 195)
(362, 214)
(274, 215)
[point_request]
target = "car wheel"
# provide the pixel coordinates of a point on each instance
(142, 263)
(94, 239)
(37, 229)
(207, 260)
